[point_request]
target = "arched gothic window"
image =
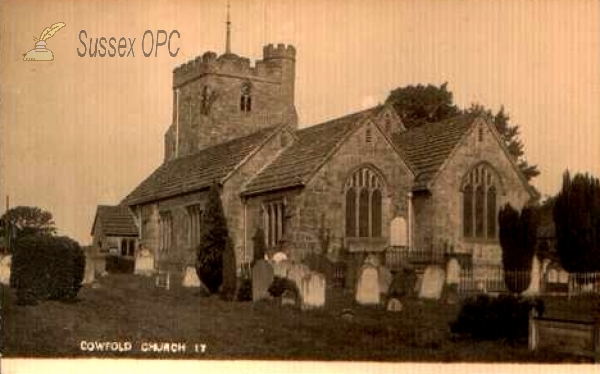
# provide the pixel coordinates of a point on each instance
(480, 203)
(363, 195)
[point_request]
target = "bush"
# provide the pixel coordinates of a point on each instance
(486, 318)
(280, 285)
(47, 267)
(119, 265)
(213, 240)
(229, 272)
(245, 291)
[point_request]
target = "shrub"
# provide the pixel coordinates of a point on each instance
(229, 272)
(120, 265)
(47, 267)
(487, 318)
(280, 285)
(245, 291)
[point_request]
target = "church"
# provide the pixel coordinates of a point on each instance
(356, 185)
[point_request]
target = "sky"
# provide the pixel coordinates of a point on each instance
(82, 131)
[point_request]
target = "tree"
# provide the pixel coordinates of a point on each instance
(577, 221)
(258, 245)
(510, 135)
(213, 240)
(417, 105)
(28, 221)
(228, 288)
(518, 234)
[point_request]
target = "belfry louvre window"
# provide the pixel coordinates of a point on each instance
(273, 222)
(363, 196)
(165, 231)
(195, 224)
(480, 203)
(246, 98)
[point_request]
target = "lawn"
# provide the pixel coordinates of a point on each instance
(127, 308)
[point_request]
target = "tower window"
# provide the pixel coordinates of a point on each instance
(246, 98)
(368, 136)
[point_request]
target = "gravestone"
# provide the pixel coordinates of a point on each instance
(367, 288)
(144, 263)
(534, 286)
(452, 271)
(403, 284)
(262, 277)
(5, 263)
(190, 278)
(89, 274)
(450, 294)
(432, 283)
(372, 260)
(312, 291)
(394, 305)
(398, 232)
(289, 298)
(385, 279)
(281, 268)
(279, 256)
(297, 272)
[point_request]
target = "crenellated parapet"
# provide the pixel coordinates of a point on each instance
(281, 51)
(234, 65)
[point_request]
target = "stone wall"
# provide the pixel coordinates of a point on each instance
(322, 202)
(438, 215)
(219, 82)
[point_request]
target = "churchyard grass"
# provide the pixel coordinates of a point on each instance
(130, 308)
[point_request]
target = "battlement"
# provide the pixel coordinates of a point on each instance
(270, 51)
(235, 65)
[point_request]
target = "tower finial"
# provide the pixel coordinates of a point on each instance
(228, 40)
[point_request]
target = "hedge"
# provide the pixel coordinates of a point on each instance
(46, 267)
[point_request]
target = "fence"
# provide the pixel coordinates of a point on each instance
(491, 279)
(584, 283)
(395, 258)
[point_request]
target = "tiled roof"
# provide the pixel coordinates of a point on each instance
(428, 146)
(196, 171)
(115, 221)
(310, 149)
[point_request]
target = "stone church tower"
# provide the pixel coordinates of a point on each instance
(220, 98)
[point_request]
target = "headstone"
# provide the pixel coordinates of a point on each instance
(453, 271)
(89, 274)
(289, 298)
(190, 278)
(312, 291)
(385, 279)
(534, 286)
(403, 283)
(394, 305)
(262, 277)
(398, 232)
(5, 263)
(367, 288)
(281, 268)
(144, 263)
(297, 272)
(433, 282)
(450, 294)
(278, 257)
(347, 315)
(372, 260)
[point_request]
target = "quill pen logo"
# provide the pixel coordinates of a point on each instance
(40, 53)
